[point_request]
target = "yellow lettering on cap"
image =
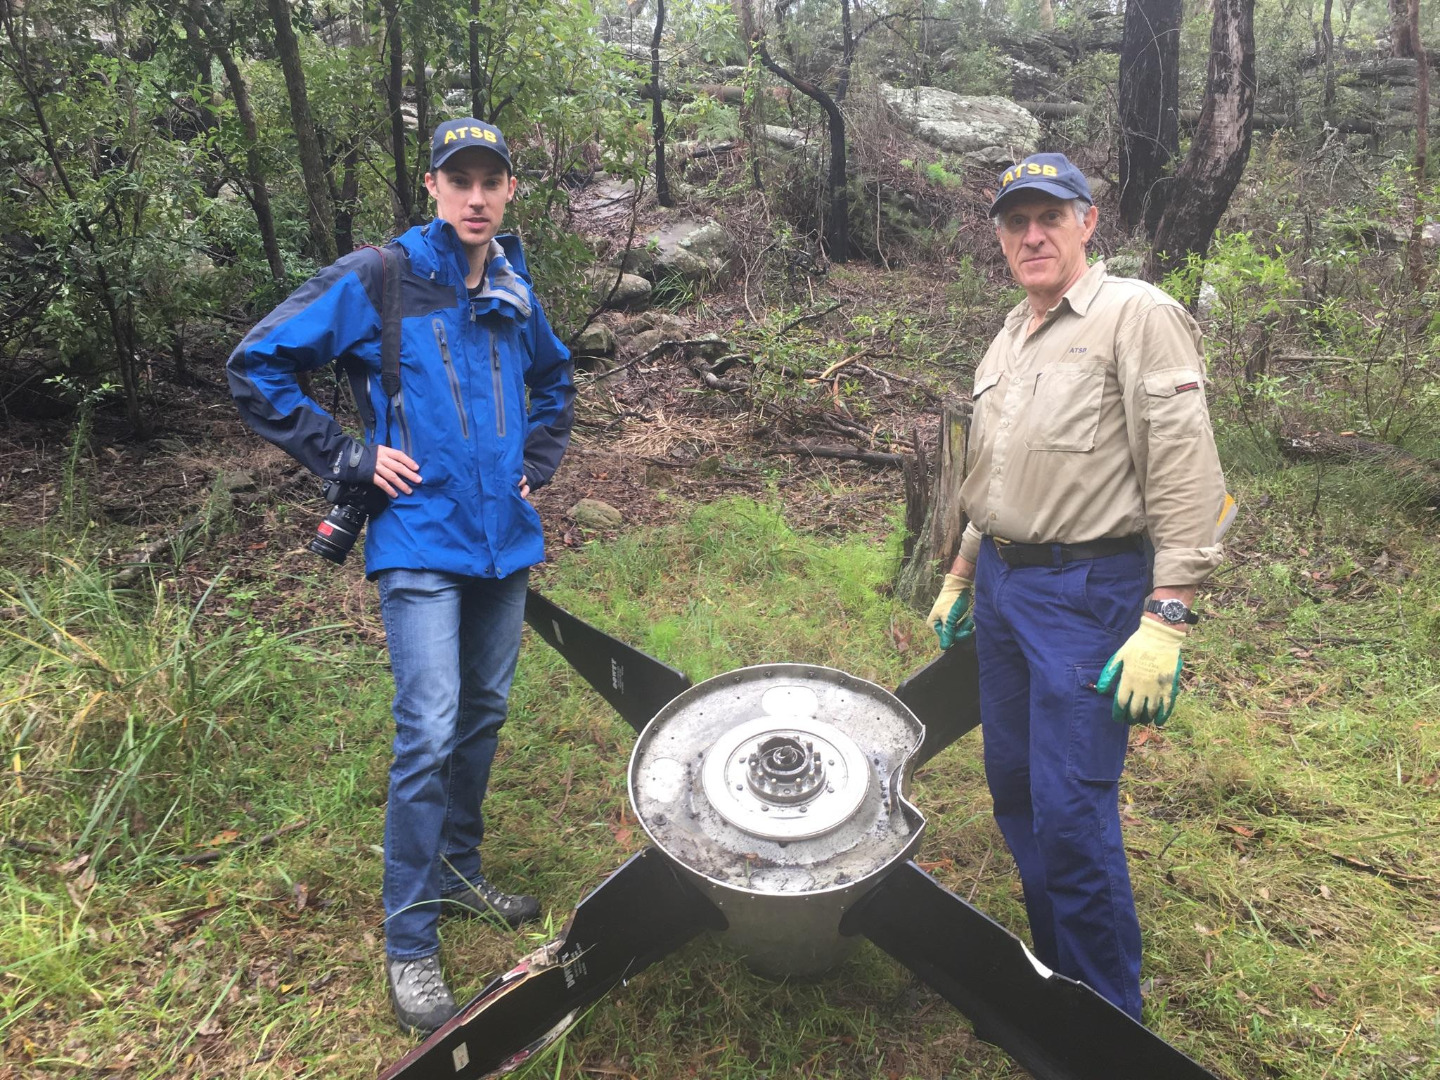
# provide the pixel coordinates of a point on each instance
(1050, 170)
(1032, 169)
(1009, 175)
(489, 136)
(450, 136)
(476, 133)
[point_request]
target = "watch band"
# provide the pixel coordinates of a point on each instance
(1172, 611)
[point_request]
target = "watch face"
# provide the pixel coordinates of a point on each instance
(1172, 610)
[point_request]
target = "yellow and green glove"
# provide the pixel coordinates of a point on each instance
(953, 617)
(1144, 675)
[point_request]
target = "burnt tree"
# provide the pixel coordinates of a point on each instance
(394, 99)
(1149, 108)
(837, 220)
(657, 110)
(1210, 172)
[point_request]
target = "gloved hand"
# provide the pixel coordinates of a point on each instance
(953, 617)
(1147, 671)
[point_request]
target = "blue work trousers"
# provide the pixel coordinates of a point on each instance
(1053, 755)
(453, 644)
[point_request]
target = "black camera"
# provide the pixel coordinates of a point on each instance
(354, 504)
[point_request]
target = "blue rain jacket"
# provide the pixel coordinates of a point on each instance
(486, 396)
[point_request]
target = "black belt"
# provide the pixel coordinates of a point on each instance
(1013, 554)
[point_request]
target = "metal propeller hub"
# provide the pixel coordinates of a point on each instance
(782, 779)
(786, 782)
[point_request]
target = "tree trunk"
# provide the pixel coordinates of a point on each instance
(394, 99)
(847, 52)
(1149, 108)
(254, 169)
(418, 213)
(937, 539)
(1419, 269)
(1327, 46)
(1402, 44)
(837, 222)
(312, 164)
(477, 77)
(349, 200)
(657, 110)
(1221, 146)
(1047, 14)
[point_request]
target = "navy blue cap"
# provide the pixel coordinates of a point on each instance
(1053, 174)
(462, 134)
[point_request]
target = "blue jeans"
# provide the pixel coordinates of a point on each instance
(453, 645)
(1053, 756)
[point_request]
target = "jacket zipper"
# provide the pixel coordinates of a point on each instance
(499, 385)
(399, 402)
(444, 344)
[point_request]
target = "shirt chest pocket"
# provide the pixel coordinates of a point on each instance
(984, 404)
(1065, 412)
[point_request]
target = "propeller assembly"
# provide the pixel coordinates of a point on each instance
(776, 801)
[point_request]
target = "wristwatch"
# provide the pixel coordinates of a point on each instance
(1172, 611)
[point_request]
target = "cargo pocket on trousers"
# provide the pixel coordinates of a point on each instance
(1096, 750)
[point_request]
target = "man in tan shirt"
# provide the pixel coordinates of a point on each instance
(1090, 435)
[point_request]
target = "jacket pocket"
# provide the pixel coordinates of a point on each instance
(443, 344)
(1176, 399)
(498, 382)
(1065, 412)
(398, 404)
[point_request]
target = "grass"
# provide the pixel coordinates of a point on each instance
(1282, 826)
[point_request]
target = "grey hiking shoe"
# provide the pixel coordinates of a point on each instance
(417, 990)
(482, 900)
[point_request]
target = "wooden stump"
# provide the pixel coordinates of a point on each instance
(934, 544)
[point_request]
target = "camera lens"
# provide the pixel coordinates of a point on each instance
(335, 536)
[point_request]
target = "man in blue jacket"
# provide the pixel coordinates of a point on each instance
(457, 448)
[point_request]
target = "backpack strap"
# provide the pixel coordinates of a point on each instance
(393, 263)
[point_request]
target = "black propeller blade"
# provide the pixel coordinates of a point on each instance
(945, 696)
(639, 914)
(634, 683)
(1056, 1028)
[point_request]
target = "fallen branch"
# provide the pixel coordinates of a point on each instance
(34, 847)
(714, 382)
(215, 855)
(812, 315)
(656, 351)
(879, 373)
(1312, 358)
(843, 453)
(143, 559)
(1326, 446)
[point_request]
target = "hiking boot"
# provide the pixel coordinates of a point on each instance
(482, 900)
(417, 990)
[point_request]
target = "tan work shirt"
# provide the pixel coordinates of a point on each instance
(1095, 425)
